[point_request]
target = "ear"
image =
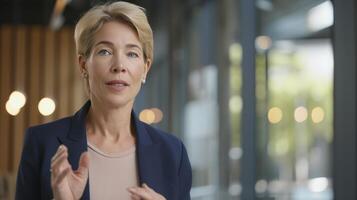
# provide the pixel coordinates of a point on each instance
(148, 63)
(82, 63)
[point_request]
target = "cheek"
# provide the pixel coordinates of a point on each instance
(137, 76)
(97, 68)
(137, 70)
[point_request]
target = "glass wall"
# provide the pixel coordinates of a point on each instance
(203, 99)
(294, 100)
(195, 91)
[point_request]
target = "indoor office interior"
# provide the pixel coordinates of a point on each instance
(261, 92)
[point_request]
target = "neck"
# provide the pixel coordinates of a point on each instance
(113, 123)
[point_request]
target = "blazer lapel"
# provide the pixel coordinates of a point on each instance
(144, 152)
(149, 163)
(149, 168)
(76, 141)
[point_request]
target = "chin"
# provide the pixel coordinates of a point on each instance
(119, 102)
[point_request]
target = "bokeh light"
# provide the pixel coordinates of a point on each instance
(317, 115)
(147, 116)
(235, 104)
(263, 42)
(46, 106)
(18, 99)
(300, 114)
(275, 115)
(15, 102)
(235, 153)
(11, 108)
(158, 115)
(318, 184)
(261, 186)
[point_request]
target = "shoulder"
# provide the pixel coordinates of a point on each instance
(46, 131)
(59, 123)
(161, 137)
(168, 145)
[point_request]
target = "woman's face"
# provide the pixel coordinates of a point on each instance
(116, 65)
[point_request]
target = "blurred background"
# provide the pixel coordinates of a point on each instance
(262, 92)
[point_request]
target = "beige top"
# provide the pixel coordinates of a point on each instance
(111, 174)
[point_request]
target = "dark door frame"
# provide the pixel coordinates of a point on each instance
(345, 124)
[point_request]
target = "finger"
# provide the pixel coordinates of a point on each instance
(60, 163)
(141, 192)
(134, 197)
(153, 192)
(59, 156)
(83, 167)
(59, 150)
(148, 188)
(60, 177)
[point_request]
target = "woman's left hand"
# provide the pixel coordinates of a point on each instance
(144, 193)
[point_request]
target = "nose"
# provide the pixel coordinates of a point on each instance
(117, 65)
(118, 68)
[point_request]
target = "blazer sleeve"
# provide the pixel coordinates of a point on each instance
(185, 175)
(28, 176)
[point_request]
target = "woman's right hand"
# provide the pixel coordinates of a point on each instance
(68, 184)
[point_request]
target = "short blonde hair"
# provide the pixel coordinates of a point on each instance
(125, 12)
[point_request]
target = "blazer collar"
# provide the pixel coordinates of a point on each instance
(78, 128)
(76, 142)
(77, 131)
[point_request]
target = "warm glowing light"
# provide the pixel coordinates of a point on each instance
(300, 114)
(317, 115)
(318, 184)
(46, 106)
(158, 115)
(147, 116)
(11, 108)
(275, 115)
(17, 99)
(263, 42)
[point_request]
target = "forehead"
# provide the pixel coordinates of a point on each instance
(118, 33)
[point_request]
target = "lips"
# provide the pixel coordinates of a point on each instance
(117, 82)
(117, 85)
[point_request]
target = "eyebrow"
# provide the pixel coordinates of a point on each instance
(104, 42)
(130, 45)
(133, 46)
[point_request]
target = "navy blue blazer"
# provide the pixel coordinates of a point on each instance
(162, 159)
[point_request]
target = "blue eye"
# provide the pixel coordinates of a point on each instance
(133, 55)
(104, 52)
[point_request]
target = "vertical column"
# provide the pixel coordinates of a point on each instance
(176, 25)
(78, 93)
(20, 80)
(248, 34)
(223, 39)
(64, 76)
(345, 126)
(34, 74)
(5, 86)
(49, 68)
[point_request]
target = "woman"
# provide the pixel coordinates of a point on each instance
(104, 151)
